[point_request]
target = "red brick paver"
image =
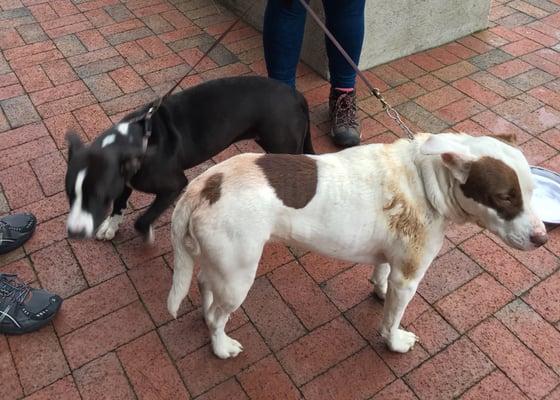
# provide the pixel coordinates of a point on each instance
(488, 316)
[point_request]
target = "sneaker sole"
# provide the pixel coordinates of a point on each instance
(20, 331)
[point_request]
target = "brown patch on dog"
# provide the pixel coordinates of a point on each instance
(409, 269)
(509, 138)
(212, 189)
(405, 223)
(293, 177)
(493, 183)
(404, 218)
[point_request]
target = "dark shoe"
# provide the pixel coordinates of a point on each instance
(15, 230)
(344, 126)
(24, 309)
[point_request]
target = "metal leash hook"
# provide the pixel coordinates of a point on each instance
(394, 115)
(391, 112)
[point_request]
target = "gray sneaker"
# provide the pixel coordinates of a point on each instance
(345, 129)
(24, 309)
(15, 230)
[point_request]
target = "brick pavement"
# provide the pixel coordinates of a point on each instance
(488, 316)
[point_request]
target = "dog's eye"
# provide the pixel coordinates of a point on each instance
(504, 197)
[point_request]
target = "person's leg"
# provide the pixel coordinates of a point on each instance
(283, 27)
(345, 20)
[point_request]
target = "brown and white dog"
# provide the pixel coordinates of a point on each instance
(380, 204)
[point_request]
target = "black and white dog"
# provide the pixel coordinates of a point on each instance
(188, 128)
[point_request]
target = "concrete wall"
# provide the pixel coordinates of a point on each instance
(394, 28)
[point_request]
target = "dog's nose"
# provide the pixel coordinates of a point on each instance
(539, 239)
(77, 234)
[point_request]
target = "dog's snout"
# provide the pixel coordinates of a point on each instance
(539, 239)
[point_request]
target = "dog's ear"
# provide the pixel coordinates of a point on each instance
(74, 143)
(130, 162)
(509, 138)
(455, 156)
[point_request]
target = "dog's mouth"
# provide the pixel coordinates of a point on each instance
(517, 243)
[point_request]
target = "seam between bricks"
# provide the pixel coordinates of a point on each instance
(271, 352)
(467, 333)
(156, 330)
(517, 336)
(540, 279)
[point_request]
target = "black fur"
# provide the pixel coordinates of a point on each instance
(189, 128)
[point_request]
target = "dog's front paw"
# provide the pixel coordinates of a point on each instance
(226, 347)
(401, 341)
(108, 228)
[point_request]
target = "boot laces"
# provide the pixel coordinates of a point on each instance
(13, 288)
(345, 111)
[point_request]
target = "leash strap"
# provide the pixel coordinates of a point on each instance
(148, 116)
(391, 112)
(210, 48)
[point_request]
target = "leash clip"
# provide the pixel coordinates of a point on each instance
(377, 93)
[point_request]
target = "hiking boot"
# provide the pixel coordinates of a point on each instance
(344, 126)
(15, 230)
(24, 309)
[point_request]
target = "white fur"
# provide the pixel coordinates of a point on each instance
(108, 228)
(123, 128)
(107, 140)
(517, 232)
(78, 219)
(360, 194)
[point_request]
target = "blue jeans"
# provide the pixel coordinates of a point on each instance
(283, 30)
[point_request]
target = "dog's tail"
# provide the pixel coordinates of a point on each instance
(185, 247)
(307, 143)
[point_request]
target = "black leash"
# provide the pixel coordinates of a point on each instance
(391, 112)
(148, 116)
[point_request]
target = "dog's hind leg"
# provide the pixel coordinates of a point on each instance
(223, 346)
(225, 301)
(229, 280)
(108, 228)
(205, 291)
(379, 279)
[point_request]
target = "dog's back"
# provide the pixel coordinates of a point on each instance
(251, 106)
(320, 202)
